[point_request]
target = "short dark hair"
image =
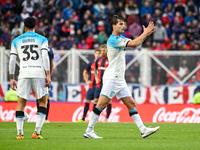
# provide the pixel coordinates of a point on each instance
(114, 21)
(97, 50)
(30, 22)
(40, 32)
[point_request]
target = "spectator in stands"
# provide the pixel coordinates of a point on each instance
(87, 6)
(12, 19)
(170, 79)
(97, 7)
(177, 29)
(102, 37)
(183, 68)
(146, 19)
(157, 15)
(131, 8)
(96, 43)
(110, 9)
(66, 28)
(83, 45)
(50, 10)
(8, 5)
(181, 8)
(135, 29)
(6, 36)
(146, 9)
(89, 40)
(102, 17)
(178, 17)
(193, 8)
(159, 75)
(28, 5)
(193, 80)
(24, 14)
(54, 42)
(16, 31)
(88, 27)
(73, 37)
(169, 8)
(166, 45)
(158, 6)
(67, 12)
(189, 17)
(196, 29)
(75, 19)
(160, 32)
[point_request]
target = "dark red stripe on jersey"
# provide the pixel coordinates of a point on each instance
(92, 75)
(103, 63)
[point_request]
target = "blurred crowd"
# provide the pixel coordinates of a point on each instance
(84, 24)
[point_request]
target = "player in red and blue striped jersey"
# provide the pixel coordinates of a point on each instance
(91, 82)
(100, 67)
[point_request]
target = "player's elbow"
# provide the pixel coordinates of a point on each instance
(133, 43)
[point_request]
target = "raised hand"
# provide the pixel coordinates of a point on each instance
(149, 29)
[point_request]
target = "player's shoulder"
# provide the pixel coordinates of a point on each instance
(98, 59)
(113, 39)
(91, 62)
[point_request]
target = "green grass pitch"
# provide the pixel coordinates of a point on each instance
(116, 136)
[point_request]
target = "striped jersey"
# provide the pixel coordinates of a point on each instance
(28, 47)
(101, 65)
(116, 46)
(90, 67)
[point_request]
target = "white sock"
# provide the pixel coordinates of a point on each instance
(93, 120)
(39, 122)
(20, 124)
(138, 121)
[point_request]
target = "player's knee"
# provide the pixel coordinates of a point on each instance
(95, 101)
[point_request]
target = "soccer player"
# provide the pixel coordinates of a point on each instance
(90, 93)
(51, 57)
(113, 79)
(100, 67)
(32, 50)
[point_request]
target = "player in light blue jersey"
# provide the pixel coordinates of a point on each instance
(114, 81)
(32, 50)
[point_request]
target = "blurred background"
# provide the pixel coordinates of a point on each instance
(74, 28)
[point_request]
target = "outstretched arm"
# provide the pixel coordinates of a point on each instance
(146, 32)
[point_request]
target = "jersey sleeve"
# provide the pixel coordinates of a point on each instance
(121, 41)
(45, 45)
(88, 67)
(13, 48)
(96, 63)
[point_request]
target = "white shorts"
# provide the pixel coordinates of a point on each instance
(112, 87)
(24, 87)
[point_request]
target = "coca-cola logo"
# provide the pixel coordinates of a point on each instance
(114, 116)
(186, 115)
(9, 115)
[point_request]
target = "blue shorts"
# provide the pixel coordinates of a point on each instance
(97, 92)
(90, 94)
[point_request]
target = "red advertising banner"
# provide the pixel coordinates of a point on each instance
(71, 112)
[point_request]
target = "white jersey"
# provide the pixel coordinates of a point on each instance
(116, 57)
(28, 47)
